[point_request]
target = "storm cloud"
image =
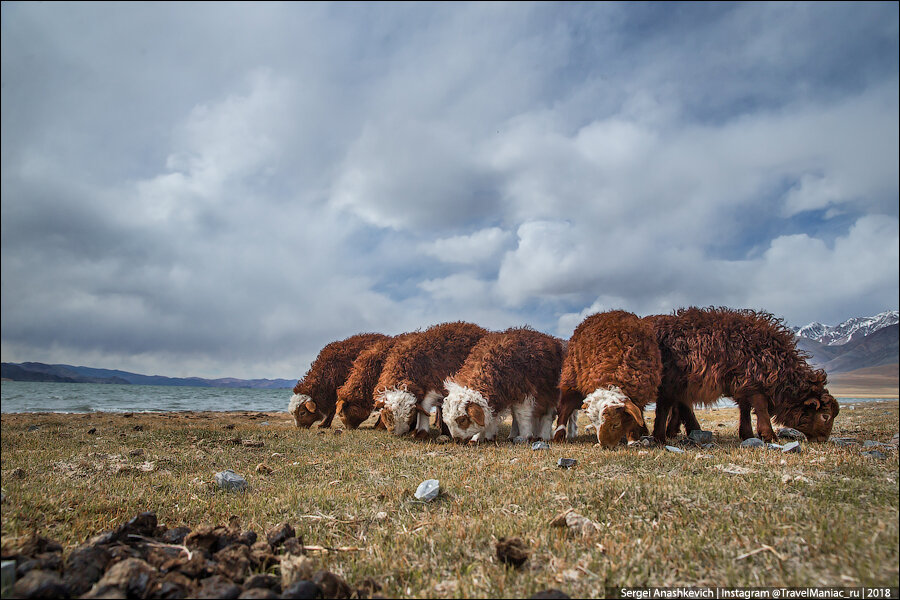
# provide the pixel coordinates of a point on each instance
(220, 190)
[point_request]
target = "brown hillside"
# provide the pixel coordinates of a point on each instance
(871, 382)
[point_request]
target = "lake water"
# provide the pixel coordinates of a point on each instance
(27, 396)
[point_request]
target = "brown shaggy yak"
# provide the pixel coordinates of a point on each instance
(412, 379)
(748, 356)
(515, 370)
(315, 396)
(354, 398)
(612, 369)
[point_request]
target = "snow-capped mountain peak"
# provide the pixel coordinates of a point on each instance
(850, 329)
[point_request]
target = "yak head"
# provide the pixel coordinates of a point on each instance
(815, 417)
(304, 410)
(401, 412)
(615, 416)
(465, 411)
(352, 415)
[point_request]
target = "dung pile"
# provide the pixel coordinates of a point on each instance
(143, 559)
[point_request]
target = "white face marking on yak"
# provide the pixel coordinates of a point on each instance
(399, 411)
(613, 414)
(303, 409)
(467, 414)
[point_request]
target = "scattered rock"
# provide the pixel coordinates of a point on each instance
(675, 449)
(512, 551)
(787, 433)
(218, 587)
(775, 447)
(874, 454)
(33, 427)
(874, 444)
(753, 443)
(540, 445)
(263, 580)
(566, 463)
(138, 428)
(844, 441)
(575, 522)
(700, 436)
(734, 469)
(332, 586)
(40, 584)
(92, 431)
(133, 576)
(258, 594)
(428, 490)
(278, 534)
(8, 577)
(303, 590)
(519, 440)
(792, 448)
(295, 568)
(229, 480)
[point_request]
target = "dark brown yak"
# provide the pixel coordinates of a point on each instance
(748, 356)
(354, 398)
(613, 369)
(412, 379)
(315, 396)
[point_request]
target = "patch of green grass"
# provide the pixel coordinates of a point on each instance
(827, 516)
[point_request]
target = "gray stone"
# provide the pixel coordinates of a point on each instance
(8, 575)
(792, 448)
(873, 444)
(540, 445)
(566, 463)
(229, 480)
(774, 446)
(428, 490)
(844, 441)
(700, 437)
(519, 440)
(874, 454)
(647, 440)
(753, 443)
(895, 439)
(787, 433)
(708, 446)
(674, 449)
(40, 584)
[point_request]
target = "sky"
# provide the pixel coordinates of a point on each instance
(219, 189)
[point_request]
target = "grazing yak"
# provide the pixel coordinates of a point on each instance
(612, 369)
(412, 378)
(515, 370)
(315, 396)
(749, 356)
(354, 398)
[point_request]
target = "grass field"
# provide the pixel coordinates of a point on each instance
(723, 516)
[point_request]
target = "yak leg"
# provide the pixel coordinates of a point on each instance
(439, 422)
(763, 422)
(745, 429)
(568, 403)
(663, 407)
(687, 418)
(674, 424)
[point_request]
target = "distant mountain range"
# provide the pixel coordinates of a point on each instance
(857, 343)
(848, 331)
(33, 371)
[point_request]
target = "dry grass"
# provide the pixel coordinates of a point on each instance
(723, 516)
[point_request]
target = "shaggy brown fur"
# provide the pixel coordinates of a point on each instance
(505, 369)
(354, 398)
(748, 356)
(326, 374)
(615, 348)
(419, 365)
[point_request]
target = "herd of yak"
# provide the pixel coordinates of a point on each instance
(615, 364)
